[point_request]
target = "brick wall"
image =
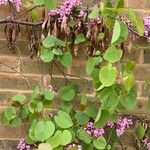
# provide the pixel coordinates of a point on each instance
(29, 73)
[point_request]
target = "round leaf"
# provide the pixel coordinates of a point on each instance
(67, 93)
(19, 98)
(100, 143)
(15, 122)
(63, 120)
(107, 75)
(49, 41)
(55, 141)
(66, 59)
(48, 95)
(140, 132)
(44, 130)
(113, 54)
(44, 146)
(47, 55)
(10, 113)
(66, 137)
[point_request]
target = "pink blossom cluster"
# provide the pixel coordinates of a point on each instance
(17, 3)
(93, 131)
(121, 125)
(147, 26)
(146, 143)
(73, 146)
(23, 146)
(65, 10)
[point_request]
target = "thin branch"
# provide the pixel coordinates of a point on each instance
(63, 73)
(21, 22)
(26, 12)
(12, 68)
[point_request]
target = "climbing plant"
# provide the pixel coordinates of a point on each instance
(64, 32)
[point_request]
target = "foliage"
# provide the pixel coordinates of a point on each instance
(87, 124)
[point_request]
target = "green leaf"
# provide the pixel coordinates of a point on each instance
(80, 38)
(94, 13)
(55, 140)
(66, 137)
(48, 95)
(137, 22)
(148, 106)
(47, 55)
(120, 33)
(113, 55)
(39, 107)
(57, 51)
(44, 146)
(44, 130)
(39, 2)
(66, 59)
(10, 113)
(91, 111)
(107, 75)
(29, 140)
(59, 42)
(51, 4)
(84, 136)
(112, 102)
(91, 63)
(103, 119)
(83, 100)
(15, 122)
(19, 98)
(104, 94)
(100, 143)
(140, 132)
(120, 4)
(71, 23)
(49, 41)
(63, 120)
(101, 36)
(67, 93)
(81, 118)
(24, 112)
(128, 82)
(130, 101)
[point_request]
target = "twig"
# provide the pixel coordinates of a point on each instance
(26, 12)
(12, 68)
(21, 22)
(109, 138)
(64, 74)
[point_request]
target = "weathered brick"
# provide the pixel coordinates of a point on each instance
(147, 56)
(6, 95)
(7, 132)
(10, 81)
(139, 4)
(83, 85)
(142, 72)
(8, 63)
(36, 66)
(21, 49)
(125, 140)
(75, 68)
(8, 144)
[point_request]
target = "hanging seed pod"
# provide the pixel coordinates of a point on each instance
(44, 29)
(75, 50)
